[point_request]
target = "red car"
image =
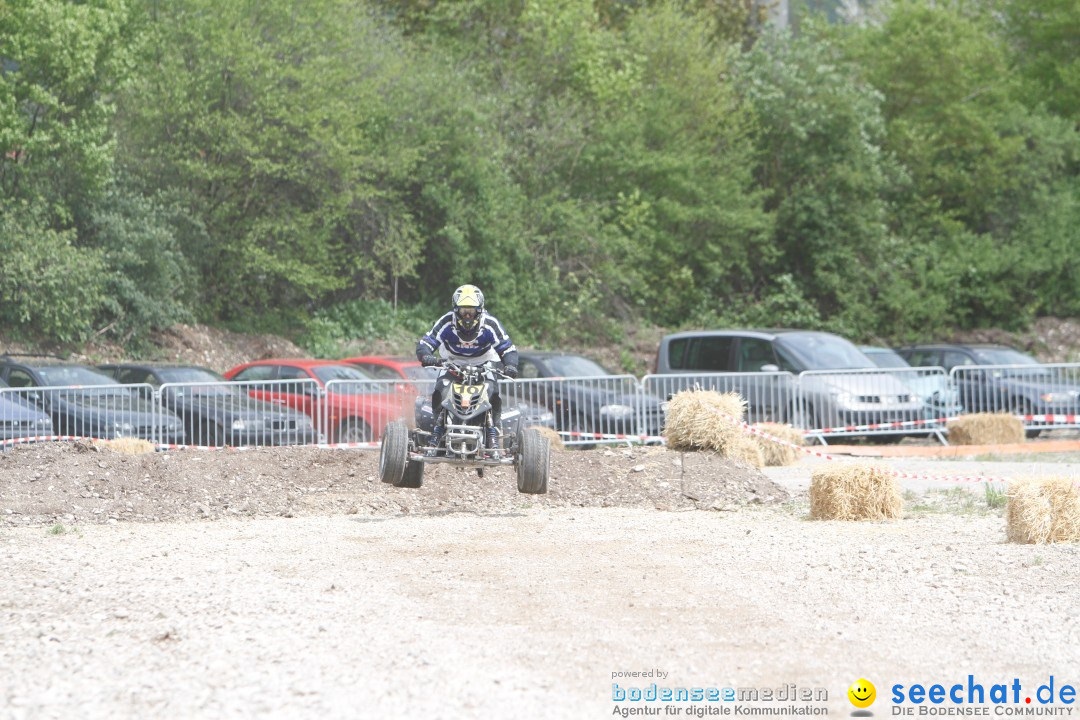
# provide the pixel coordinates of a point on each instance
(356, 407)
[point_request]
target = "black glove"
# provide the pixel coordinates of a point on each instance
(429, 360)
(511, 371)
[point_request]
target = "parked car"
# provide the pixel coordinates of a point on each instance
(20, 419)
(417, 385)
(844, 387)
(1013, 381)
(215, 411)
(83, 401)
(585, 397)
(354, 410)
(939, 396)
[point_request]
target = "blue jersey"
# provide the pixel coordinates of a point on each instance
(491, 341)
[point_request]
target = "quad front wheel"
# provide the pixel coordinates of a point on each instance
(534, 456)
(394, 453)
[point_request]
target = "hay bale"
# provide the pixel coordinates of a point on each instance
(693, 422)
(552, 435)
(854, 492)
(986, 429)
(773, 453)
(1043, 510)
(127, 446)
(746, 449)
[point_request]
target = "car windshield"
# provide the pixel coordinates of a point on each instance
(418, 372)
(822, 351)
(188, 376)
(1008, 356)
(885, 358)
(64, 376)
(574, 366)
(1003, 356)
(349, 374)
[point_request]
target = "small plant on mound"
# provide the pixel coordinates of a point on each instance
(986, 429)
(1044, 510)
(708, 420)
(127, 446)
(854, 492)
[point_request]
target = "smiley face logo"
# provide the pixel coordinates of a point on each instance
(862, 693)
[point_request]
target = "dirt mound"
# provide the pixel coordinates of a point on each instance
(219, 349)
(80, 484)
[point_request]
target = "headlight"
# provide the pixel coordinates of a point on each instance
(664, 406)
(1054, 397)
(239, 425)
(843, 399)
(43, 422)
(545, 416)
(122, 429)
(617, 411)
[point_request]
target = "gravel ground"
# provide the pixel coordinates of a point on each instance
(329, 594)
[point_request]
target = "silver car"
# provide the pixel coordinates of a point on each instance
(811, 379)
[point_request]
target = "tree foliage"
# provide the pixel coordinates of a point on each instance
(589, 163)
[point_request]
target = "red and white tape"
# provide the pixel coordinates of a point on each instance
(897, 473)
(876, 426)
(603, 436)
(1048, 419)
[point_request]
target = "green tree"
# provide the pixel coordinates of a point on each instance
(61, 64)
(821, 159)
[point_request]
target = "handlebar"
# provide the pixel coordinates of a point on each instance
(459, 368)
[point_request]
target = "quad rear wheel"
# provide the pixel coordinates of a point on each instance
(413, 476)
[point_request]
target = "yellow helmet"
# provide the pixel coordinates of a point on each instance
(468, 307)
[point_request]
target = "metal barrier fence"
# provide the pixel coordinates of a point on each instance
(584, 410)
(250, 412)
(868, 402)
(590, 410)
(770, 396)
(100, 411)
(1051, 391)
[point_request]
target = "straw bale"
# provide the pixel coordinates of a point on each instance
(854, 492)
(986, 429)
(745, 448)
(552, 435)
(127, 446)
(1043, 510)
(697, 420)
(773, 453)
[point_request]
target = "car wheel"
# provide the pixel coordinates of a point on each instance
(1019, 406)
(353, 430)
(210, 435)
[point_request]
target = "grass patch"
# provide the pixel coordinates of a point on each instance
(58, 529)
(995, 496)
(1017, 457)
(957, 501)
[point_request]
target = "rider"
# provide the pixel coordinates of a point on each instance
(468, 336)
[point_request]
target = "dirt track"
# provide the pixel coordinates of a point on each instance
(347, 598)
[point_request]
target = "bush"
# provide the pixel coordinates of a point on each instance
(49, 288)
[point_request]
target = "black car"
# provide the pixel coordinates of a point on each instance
(85, 402)
(19, 418)
(586, 398)
(995, 378)
(213, 410)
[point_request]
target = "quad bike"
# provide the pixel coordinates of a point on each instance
(468, 438)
